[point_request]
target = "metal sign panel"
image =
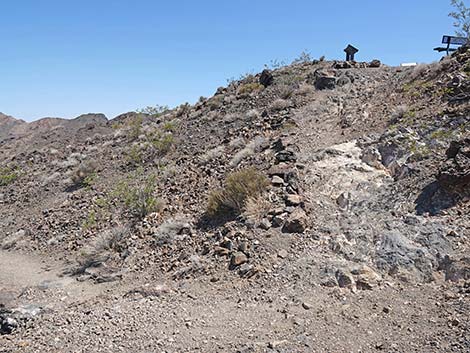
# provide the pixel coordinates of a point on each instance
(454, 40)
(351, 50)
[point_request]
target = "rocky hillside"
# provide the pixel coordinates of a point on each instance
(313, 193)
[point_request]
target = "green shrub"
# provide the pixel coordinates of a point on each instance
(8, 175)
(161, 142)
(137, 200)
(90, 222)
(136, 127)
(154, 111)
(170, 125)
(135, 155)
(215, 102)
(157, 144)
(239, 187)
(248, 88)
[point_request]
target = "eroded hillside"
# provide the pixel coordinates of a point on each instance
(321, 206)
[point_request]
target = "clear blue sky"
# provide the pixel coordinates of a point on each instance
(62, 58)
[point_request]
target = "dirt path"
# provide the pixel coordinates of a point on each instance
(27, 279)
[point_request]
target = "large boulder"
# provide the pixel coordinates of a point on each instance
(454, 174)
(324, 79)
(297, 222)
(266, 78)
(375, 63)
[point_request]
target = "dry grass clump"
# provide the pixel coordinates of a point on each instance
(279, 104)
(419, 71)
(239, 187)
(247, 151)
(84, 174)
(106, 245)
(399, 112)
(212, 154)
(256, 209)
(252, 114)
(285, 91)
(304, 90)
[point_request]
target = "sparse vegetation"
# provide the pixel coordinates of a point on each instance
(161, 142)
(304, 57)
(135, 126)
(156, 143)
(247, 151)
(215, 102)
(135, 155)
(285, 91)
(461, 16)
(154, 111)
(8, 175)
(184, 109)
(137, 200)
(398, 113)
(304, 90)
(274, 64)
(212, 154)
(90, 222)
(279, 104)
(249, 88)
(84, 174)
(239, 187)
(256, 209)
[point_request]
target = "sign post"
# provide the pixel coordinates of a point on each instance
(451, 40)
(350, 51)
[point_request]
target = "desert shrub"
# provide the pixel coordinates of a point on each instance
(170, 125)
(461, 16)
(135, 155)
(399, 113)
(419, 71)
(285, 91)
(156, 110)
(212, 154)
(183, 109)
(215, 102)
(248, 88)
(304, 90)
(161, 142)
(137, 200)
(156, 143)
(303, 58)
(256, 209)
(84, 174)
(290, 80)
(8, 175)
(104, 246)
(247, 151)
(239, 186)
(135, 127)
(279, 104)
(91, 221)
(252, 114)
(275, 64)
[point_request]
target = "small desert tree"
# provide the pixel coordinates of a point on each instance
(461, 16)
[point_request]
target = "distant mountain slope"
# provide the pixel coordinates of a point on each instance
(8, 124)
